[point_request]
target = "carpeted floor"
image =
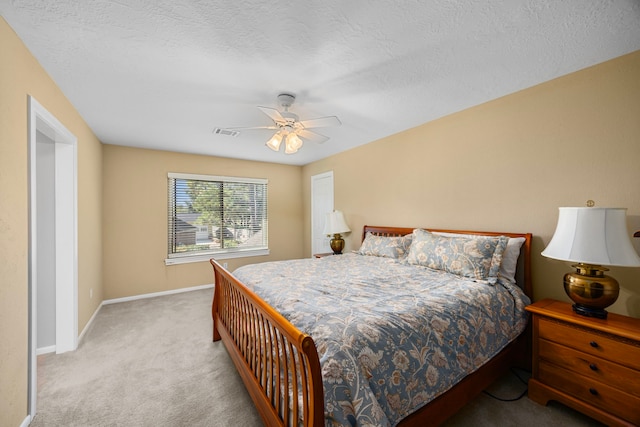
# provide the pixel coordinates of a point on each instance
(152, 363)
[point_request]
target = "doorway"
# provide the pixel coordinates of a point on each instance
(321, 204)
(53, 225)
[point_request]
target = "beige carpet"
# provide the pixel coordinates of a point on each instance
(152, 363)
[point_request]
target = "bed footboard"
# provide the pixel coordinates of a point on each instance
(279, 365)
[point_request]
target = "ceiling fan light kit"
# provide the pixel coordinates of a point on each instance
(291, 145)
(288, 128)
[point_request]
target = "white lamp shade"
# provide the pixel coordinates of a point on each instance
(274, 142)
(335, 223)
(292, 144)
(596, 236)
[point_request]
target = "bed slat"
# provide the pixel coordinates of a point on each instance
(276, 361)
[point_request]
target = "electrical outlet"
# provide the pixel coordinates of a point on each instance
(224, 264)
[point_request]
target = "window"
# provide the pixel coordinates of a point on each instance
(216, 216)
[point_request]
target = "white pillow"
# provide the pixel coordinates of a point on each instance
(510, 255)
(510, 260)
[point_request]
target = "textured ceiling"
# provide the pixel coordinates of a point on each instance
(163, 73)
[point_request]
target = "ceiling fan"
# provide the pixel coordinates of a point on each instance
(289, 128)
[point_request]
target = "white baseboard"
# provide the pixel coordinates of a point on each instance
(45, 350)
(86, 327)
(156, 294)
(26, 421)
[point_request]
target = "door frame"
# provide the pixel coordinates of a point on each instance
(66, 232)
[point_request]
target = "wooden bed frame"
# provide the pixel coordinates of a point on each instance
(279, 364)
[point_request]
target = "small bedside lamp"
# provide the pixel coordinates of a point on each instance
(335, 224)
(592, 237)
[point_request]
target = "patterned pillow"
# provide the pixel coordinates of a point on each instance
(509, 264)
(384, 246)
(476, 258)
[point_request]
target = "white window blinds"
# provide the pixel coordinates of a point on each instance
(213, 215)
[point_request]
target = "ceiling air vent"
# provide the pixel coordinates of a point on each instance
(226, 132)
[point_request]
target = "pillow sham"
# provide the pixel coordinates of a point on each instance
(509, 264)
(385, 246)
(476, 258)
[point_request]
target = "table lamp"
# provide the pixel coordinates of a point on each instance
(335, 224)
(592, 238)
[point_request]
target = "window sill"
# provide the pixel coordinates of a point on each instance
(222, 255)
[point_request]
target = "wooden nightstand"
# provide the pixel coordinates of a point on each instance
(323, 255)
(591, 365)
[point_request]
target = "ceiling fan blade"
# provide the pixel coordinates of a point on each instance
(321, 122)
(312, 136)
(273, 114)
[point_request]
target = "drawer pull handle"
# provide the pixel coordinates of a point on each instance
(593, 367)
(593, 391)
(593, 344)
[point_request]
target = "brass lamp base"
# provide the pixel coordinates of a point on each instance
(591, 290)
(337, 244)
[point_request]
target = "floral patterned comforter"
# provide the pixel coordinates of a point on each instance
(390, 336)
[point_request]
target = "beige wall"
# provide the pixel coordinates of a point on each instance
(135, 217)
(507, 165)
(21, 75)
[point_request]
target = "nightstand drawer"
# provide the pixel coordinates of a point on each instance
(594, 367)
(589, 342)
(593, 392)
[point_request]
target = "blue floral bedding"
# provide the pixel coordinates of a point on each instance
(390, 336)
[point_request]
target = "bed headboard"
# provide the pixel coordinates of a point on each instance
(523, 271)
